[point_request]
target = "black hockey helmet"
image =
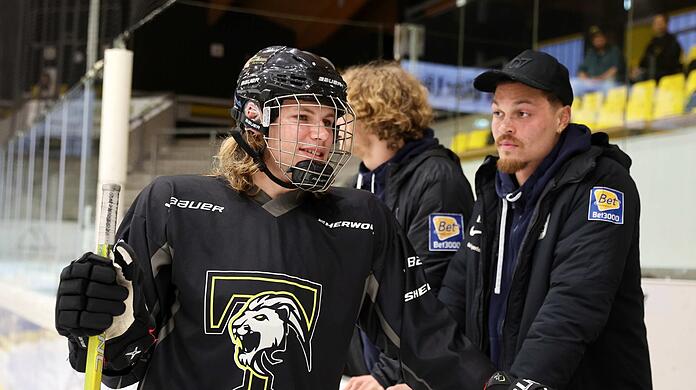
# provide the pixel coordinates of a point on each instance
(278, 71)
(275, 76)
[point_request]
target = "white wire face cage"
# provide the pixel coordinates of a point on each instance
(310, 138)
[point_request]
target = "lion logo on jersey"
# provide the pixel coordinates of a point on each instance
(260, 331)
(270, 318)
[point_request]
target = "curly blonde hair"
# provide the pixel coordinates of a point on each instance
(235, 165)
(388, 101)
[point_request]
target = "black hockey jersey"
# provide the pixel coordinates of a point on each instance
(260, 293)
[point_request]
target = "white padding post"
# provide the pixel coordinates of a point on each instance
(115, 118)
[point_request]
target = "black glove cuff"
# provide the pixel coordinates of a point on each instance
(120, 353)
(501, 380)
(125, 351)
(77, 354)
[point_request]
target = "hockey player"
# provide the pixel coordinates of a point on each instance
(254, 277)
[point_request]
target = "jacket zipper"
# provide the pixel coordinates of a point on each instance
(483, 294)
(532, 225)
(485, 264)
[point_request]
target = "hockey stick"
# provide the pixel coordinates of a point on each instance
(105, 241)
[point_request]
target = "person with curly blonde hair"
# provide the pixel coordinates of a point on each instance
(421, 181)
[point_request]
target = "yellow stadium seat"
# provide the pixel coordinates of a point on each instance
(691, 83)
(576, 108)
(691, 56)
(669, 99)
(584, 118)
(459, 143)
(592, 101)
(612, 112)
(589, 107)
(640, 103)
(478, 139)
(690, 89)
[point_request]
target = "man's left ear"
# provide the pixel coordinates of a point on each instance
(563, 119)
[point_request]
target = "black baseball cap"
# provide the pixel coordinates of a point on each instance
(533, 68)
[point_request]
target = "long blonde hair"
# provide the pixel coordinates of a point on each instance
(235, 165)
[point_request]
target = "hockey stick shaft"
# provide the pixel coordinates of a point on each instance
(105, 241)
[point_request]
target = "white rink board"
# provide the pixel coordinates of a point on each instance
(670, 316)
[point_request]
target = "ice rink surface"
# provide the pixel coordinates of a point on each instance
(32, 354)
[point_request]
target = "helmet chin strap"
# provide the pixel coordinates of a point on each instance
(257, 156)
(311, 174)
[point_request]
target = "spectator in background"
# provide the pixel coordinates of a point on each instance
(663, 54)
(420, 180)
(603, 61)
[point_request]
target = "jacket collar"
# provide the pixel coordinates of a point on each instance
(572, 170)
(409, 164)
(574, 140)
(403, 164)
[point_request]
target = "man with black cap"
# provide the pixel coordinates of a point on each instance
(548, 281)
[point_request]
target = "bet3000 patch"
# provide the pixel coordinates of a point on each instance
(446, 232)
(606, 204)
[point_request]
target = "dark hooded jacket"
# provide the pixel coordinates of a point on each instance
(573, 317)
(518, 207)
(421, 179)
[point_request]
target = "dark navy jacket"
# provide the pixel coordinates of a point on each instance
(422, 178)
(520, 202)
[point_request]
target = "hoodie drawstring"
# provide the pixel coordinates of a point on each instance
(360, 182)
(501, 240)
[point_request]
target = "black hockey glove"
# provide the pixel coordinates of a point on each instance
(88, 297)
(503, 381)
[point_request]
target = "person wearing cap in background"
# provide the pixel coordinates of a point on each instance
(603, 61)
(547, 282)
(662, 56)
